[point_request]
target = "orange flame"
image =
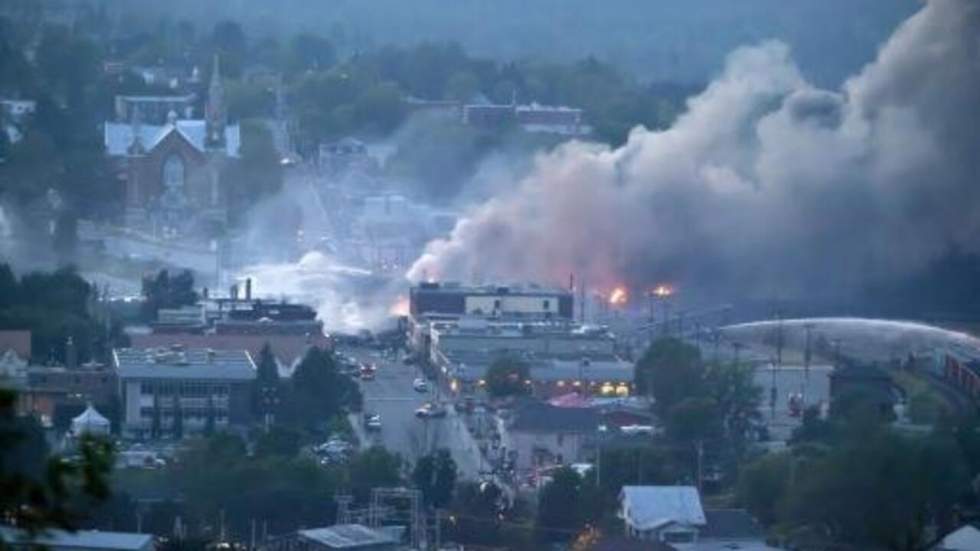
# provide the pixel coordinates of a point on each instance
(618, 296)
(663, 290)
(399, 307)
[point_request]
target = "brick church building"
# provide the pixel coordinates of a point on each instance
(172, 171)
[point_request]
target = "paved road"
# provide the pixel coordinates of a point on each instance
(391, 395)
(790, 379)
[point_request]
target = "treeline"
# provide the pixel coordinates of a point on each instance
(54, 306)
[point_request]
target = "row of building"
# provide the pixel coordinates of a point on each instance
(461, 330)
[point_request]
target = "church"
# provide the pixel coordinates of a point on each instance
(171, 170)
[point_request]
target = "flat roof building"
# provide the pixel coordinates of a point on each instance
(82, 540)
(176, 390)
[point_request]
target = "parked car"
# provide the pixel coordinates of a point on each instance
(367, 372)
(430, 409)
(420, 385)
(373, 423)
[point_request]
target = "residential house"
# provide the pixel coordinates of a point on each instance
(673, 515)
(541, 435)
(669, 514)
(964, 538)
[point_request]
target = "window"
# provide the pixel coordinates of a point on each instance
(173, 173)
(546, 304)
(678, 537)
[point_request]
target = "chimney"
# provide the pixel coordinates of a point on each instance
(71, 354)
(248, 288)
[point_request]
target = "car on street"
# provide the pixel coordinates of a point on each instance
(430, 409)
(373, 422)
(420, 385)
(368, 372)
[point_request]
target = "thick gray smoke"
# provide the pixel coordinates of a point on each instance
(766, 185)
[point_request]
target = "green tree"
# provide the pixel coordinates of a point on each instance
(178, 423)
(317, 391)
(435, 476)
(670, 371)
(163, 291)
(561, 511)
(267, 387)
(506, 377)
(39, 490)
(281, 441)
(475, 514)
(372, 468)
(310, 52)
(693, 419)
(763, 484)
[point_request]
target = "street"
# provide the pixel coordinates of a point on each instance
(391, 395)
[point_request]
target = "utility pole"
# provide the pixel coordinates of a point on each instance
(438, 527)
(700, 457)
(807, 354)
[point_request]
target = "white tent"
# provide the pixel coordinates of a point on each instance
(90, 422)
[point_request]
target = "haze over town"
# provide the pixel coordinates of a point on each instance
(541, 275)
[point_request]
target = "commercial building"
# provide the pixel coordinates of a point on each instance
(500, 301)
(541, 435)
(435, 302)
(175, 391)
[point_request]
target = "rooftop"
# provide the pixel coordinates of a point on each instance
(454, 287)
(346, 536)
(178, 362)
(543, 417)
(119, 136)
(652, 507)
(730, 524)
(83, 539)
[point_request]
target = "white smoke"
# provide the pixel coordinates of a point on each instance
(765, 183)
(336, 291)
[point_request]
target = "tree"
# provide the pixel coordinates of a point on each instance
(164, 291)
(670, 371)
(39, 490)
(506, 377)
(372, 468)
(475, 514)
(156, 422)
(267, 384)
(693, 419)
(435, 476)
(763, 484)
(310, 52)
(561, 510)
(178, 423)
(281, 441)
(317, 392)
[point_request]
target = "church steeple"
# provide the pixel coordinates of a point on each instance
(214, 111)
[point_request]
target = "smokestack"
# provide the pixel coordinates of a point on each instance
(71, 354)
(248, 288)
(233, 291)
(204, 293)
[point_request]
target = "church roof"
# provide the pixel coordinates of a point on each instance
(119, 136)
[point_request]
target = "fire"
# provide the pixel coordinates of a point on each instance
(618, 296)
(663, 290)
(399, 307)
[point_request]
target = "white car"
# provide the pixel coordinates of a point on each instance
(420, 385)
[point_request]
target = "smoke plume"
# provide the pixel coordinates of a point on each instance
(766, 184)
